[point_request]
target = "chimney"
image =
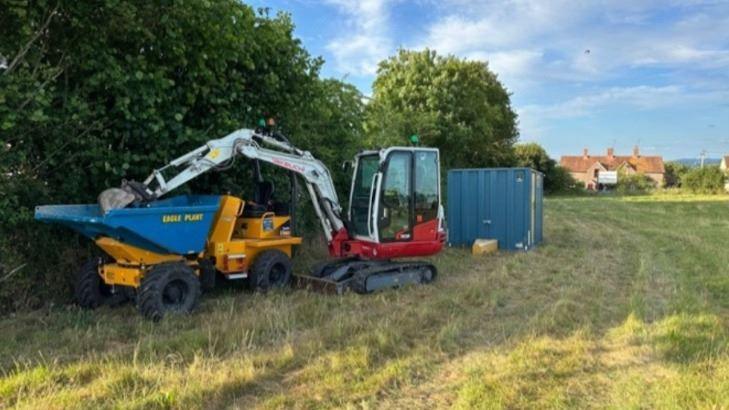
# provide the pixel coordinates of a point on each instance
(611, 153)
(636, 152)
(585, 155)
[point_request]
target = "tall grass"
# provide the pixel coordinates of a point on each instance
(625, 305)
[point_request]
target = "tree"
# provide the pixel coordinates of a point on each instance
(706, 180)
(674, 172)
(634, 184)
(532, 155)
(456, 105)
(561, 181)
(556, 178)
(97, 92)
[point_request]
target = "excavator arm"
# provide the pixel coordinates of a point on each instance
(221, 153)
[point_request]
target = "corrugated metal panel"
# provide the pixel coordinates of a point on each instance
(495, 203)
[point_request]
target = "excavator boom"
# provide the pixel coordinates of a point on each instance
(220, 153)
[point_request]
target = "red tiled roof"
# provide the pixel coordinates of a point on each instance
(580, 163)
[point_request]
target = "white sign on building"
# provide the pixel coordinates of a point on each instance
(607, 177)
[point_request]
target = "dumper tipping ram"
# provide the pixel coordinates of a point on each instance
(162, 252)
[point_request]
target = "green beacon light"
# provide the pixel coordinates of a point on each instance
(414, 139)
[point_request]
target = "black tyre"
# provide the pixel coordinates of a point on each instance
(271, 269)
(90, 291)
(168, 288)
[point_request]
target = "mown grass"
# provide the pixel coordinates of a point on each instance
(625, 306)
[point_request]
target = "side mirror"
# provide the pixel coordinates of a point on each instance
(347, 165)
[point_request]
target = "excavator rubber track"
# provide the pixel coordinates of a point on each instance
(363, 276)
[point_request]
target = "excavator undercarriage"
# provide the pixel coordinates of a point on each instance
(366, 276)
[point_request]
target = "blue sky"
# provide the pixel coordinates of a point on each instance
(583, 74)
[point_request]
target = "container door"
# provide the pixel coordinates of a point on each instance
(518, 214)
(533, 209)
(483, 195)
(540, 209)
(498, 205)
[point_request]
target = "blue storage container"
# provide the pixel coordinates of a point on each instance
(495, 203)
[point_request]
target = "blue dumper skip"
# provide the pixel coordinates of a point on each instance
(178, 225)
(495, 203)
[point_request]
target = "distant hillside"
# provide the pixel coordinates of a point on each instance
(695, 162)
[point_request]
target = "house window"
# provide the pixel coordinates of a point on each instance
(597, 172)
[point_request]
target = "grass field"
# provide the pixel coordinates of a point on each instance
(625, 306)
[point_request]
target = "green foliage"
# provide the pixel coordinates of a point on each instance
(97, 92)
(557, 180)
(634, 184)
(532, 155)
(674, 172)
(560, 181)
(706, 180)
(456, 105)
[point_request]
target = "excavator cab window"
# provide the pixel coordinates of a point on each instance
(395, 198)
(359, 208)
(409, 197)
(426, 186)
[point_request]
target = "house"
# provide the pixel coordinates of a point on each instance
(724, 166)
(586, 168)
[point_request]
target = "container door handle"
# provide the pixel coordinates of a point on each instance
(487, 221)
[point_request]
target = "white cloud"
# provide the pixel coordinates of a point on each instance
(584, 57)
(513, 66)
(616, 34)
(639, 97)
(535, 118)
(358, 51)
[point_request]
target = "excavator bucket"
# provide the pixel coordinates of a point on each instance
(115, 198)
(130, 192)
(327, 277)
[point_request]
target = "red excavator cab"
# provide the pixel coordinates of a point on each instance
(394, 206)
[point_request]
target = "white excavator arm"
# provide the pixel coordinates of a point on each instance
(220, 153)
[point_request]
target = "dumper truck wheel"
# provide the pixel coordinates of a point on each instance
(90, 291)
(271, 269)
(168, 288)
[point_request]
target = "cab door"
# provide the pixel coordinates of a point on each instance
(427, 210)
(409, 206)
(395, 206)
(363, 196)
